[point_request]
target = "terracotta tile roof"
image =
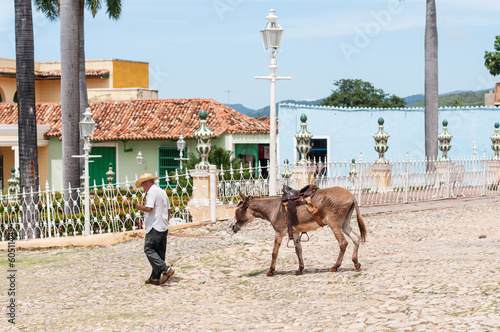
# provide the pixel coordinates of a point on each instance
(4, 71)
(147, 119)
(266, 120)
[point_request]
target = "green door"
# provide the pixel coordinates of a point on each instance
(99, 166)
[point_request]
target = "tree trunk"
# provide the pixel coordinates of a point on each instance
(431, 82)
(28, 151)
(84, 103)
(70, 95)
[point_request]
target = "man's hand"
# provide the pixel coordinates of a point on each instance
(143, 208)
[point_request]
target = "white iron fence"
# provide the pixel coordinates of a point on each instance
(47, 214)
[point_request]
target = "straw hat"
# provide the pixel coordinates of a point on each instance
(143, 178)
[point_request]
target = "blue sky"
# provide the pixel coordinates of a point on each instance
(202, 48)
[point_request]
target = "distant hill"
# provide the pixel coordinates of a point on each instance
(242, 109)
(414, 99)
(265, 111)
(467, 98)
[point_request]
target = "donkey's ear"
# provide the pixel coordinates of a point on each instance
(243, 197)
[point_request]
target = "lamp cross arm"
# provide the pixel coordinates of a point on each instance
(89, 156)
(271, 77)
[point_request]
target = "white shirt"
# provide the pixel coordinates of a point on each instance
(157, 199)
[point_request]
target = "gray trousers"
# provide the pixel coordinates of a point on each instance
(155, 246)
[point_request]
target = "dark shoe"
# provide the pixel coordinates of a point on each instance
(152, 281)
(166, 275)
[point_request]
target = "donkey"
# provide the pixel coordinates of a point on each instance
(334, 208)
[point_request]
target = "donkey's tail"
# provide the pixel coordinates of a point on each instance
(361, 223)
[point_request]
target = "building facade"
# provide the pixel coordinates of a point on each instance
(125, 128)
(345, 133)
(106, 80)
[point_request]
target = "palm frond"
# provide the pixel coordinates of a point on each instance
(114, 8)
(93, 6)
(50, 8)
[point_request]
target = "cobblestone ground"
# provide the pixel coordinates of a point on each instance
(421, 271)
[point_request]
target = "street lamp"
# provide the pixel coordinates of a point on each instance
(140, 158)
(87, 127)
(271, 35)
(181, 144)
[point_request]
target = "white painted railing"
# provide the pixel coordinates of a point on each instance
(46, 213)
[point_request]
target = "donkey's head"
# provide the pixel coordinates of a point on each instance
(242, 214)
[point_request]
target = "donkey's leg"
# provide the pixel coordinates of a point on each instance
(346, 227)
(298, 251)
(277, 243)
(339, 235)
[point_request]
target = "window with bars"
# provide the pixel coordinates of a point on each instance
(167, 162)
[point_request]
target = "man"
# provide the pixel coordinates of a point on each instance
(156, 223)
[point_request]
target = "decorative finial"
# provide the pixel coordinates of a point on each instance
(381, 138)
(303, 138)
(203, 114)
(203, 135)
(495, 142)
(444, 141)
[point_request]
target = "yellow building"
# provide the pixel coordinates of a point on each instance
(106, 80)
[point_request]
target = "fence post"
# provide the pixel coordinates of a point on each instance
(48, 208)
(360, 180)
(484, 174)
(407, 178)
(212, 170)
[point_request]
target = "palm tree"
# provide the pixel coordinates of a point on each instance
(25, 79)
(431, 82)
(52, 9)
(70, 93)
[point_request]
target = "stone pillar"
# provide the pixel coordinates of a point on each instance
(200, 203)
(382, 175)
(381, 168)
(302, 175)
(303, 171)
(204, 201)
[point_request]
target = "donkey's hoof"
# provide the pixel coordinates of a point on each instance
(298, 272)
(333, 269)
(270, 273)
(357, 266)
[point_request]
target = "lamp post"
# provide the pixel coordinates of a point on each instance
(87, 127)
(271, 34)
(181, 144)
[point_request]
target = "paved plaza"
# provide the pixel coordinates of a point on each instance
(431, 270)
